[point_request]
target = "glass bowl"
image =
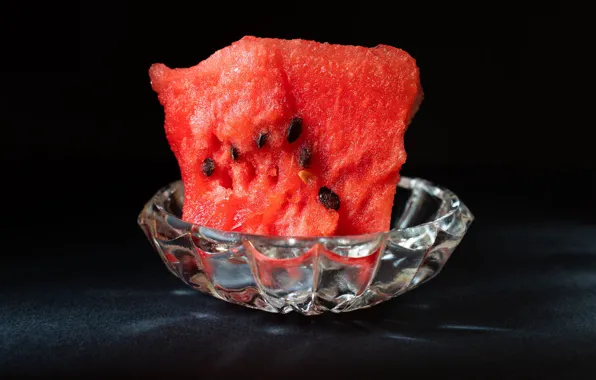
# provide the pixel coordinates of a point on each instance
(311, 275)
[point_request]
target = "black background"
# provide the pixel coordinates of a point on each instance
(499, 80)
(83, 148)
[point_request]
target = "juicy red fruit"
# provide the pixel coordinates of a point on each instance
(290, 137)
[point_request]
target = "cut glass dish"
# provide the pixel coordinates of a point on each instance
(311, 275)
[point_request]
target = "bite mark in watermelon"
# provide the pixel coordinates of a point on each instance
(290, 137)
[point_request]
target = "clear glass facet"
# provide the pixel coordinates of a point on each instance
(311, 275)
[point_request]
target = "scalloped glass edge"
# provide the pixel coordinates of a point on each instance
(310, 275)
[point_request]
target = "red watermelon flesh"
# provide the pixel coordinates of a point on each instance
(290, 137)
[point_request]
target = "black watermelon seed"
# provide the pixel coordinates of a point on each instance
(328, 198)
(294, 130)
(208, 166)
(304, 157)
(234, 152)
(262, 139)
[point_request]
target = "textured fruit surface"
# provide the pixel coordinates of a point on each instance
(290, 137)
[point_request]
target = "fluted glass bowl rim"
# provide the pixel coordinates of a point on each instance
(450, 205)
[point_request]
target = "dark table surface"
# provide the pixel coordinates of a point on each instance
(88, 297)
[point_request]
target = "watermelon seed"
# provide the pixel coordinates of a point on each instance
(233, 152)
(208, 166)
(262, 139)
(328, 198)
(304, 157)
(294, 130)
(306, 176)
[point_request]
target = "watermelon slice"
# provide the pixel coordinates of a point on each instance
(290, 137)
